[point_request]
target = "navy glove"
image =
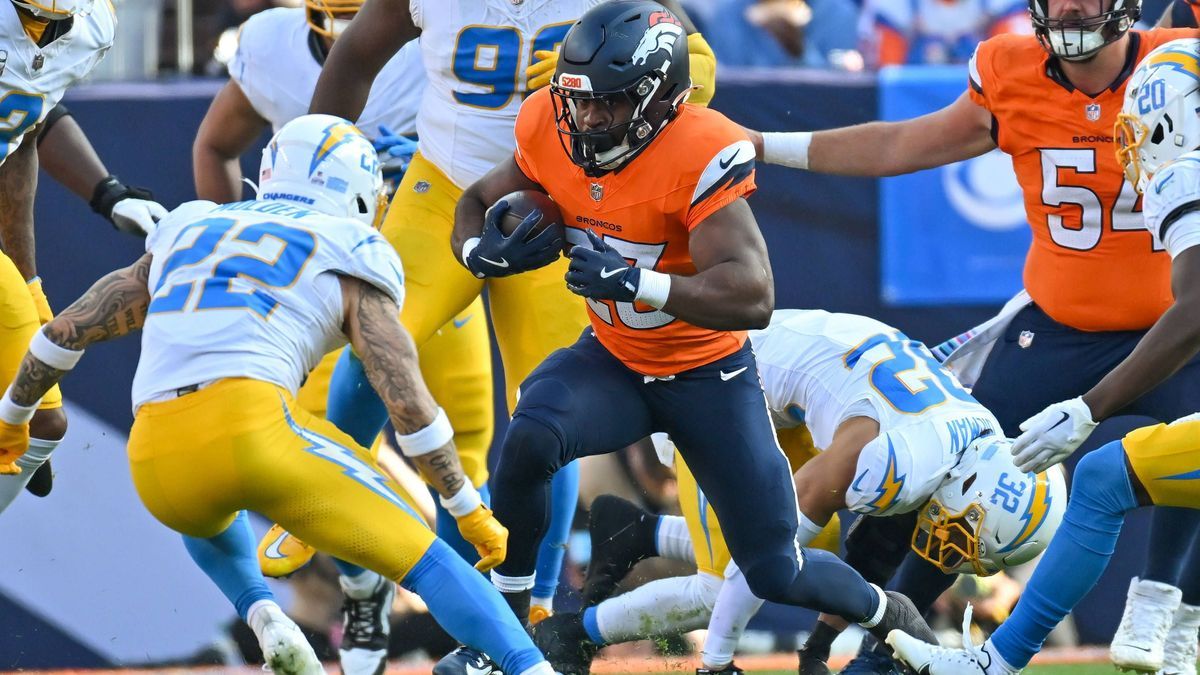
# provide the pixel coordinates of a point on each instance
(497, 255)
(601, 273)
(395, 152)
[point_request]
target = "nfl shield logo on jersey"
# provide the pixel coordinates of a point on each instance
(597, 191)
(1092, 110)
(1025, 339)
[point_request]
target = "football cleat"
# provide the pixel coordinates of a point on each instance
(280, 554)
(931, 659)
(1149, 612)
(901, 614)
(565, 642)
(811, 664)
(871, 662)
(538, 614)
(365, 629)
(284, 646)
(466, 661)
(613, 526)
(1179, 653)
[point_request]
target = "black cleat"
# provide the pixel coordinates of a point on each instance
(366, 628)
(811, 664)
(566, 644)
(42, 481)
(873, 663)
(901, 614)
(466, 661)
(622, 535)
(730, 669)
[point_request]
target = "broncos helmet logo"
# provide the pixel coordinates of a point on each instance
(660, 36)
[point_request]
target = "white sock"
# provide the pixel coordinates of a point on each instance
(512, 584)
(996, 665)
(11, 486)
(808, 531)
(255, 616)
(361, 585)
(545, 603)
(675, 605)
(673, 540)
(736, 605)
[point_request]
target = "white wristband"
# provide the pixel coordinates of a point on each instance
(431, 438)
(653, 288)
(466, 501)
(787, 148)
(58, 358)
(468, 246)
(12, 413)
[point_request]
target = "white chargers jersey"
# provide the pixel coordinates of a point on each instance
(475, 54)
(825, 368)
(33, 79)
(250, 289)
(1171, 205)
(276, 67)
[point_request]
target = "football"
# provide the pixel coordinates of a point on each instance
(521, 202)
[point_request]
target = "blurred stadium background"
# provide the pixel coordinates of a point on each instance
(90, 580)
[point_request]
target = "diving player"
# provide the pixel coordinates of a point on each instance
(896, 433)
(238, 302)
(641, 175)
(273, 74)
(1094, 278)
(479, 64)
(1158, 134)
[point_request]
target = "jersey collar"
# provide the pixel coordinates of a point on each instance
(1055, 73)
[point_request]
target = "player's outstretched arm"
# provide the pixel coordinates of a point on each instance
(959, 131)
(377, 32)
(228, 129)
(423, 432)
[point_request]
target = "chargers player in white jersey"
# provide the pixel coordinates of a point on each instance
(1158, 139)
(49, 46)
(238, 302)
(479, 58)
(895, 433)
(273, 73)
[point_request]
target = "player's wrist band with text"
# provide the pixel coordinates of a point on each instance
(787, 148)
(427, 440)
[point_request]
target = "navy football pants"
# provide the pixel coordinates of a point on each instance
(583, 401)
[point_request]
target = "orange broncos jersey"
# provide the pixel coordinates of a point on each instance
(1092, 265)
(698, 164)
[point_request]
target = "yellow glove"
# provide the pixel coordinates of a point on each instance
(14, 441)
(703, 69)
(538, 73)
(45, 314)
(489, 537)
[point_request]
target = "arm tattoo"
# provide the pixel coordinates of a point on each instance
(114, 306)
(390, 360)
(18, 185)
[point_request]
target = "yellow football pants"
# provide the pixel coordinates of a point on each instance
(532, 313)
(712, 555)
(1166, 459)
(199, 459)
(18, 322)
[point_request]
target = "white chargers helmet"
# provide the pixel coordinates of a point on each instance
(54, 10)
(988, 515)
(325, 163)
(1160, 119)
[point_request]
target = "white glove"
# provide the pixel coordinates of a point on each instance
(137, 216)
(1052, 435)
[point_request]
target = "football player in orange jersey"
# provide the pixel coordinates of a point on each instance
(1094, 278)
(674, 270)
(1181, 14)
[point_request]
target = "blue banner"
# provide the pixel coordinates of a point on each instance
(956, 234)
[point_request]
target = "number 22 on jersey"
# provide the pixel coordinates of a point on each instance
(235, 281)
(489, 60)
